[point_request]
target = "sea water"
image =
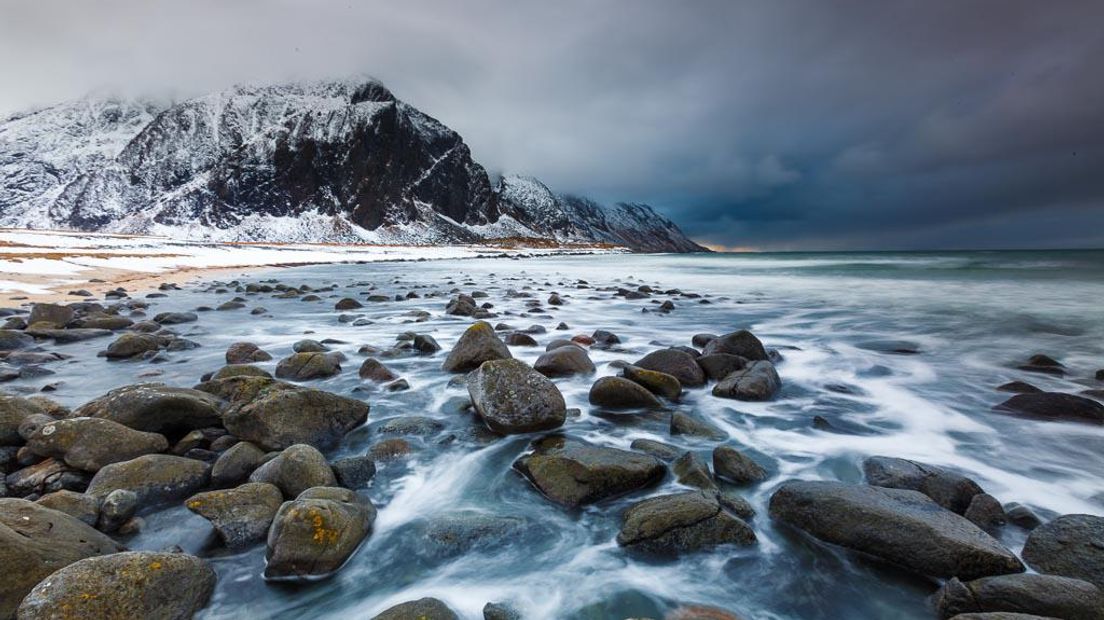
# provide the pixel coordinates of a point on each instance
(899, 353)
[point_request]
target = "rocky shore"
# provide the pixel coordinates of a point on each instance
(261, 453)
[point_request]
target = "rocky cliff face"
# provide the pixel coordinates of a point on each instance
(330, 161)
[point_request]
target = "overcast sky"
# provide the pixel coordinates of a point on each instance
(768, 124)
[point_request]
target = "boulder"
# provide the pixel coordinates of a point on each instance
(246, 353)
(35, 541)
(235, 465)
(354, 472)
(986, 512)
(513, 398)
(685, 424)
(240, 370)
(348, 303)
(1071, 546)
(717, 366)
(671, 525)
(573, 473)
(154, 478)
(116, 509)
(742, 343)
(1054, 407)
(421, 609)
(132, 345)
(564, 362)
(1043, 595)
(240, 516)
(55, 314)
(274, 414)
(309, 346)
(620, 393)
(11, 340)
(756, 381)
(692, 471)
(308, 366)
(476, 345)
(313, 535)
(662, 451)
(519, 339)
(659, 383)
(735, 466)
(92, 443)
(175, 318)
(679, 364)
(457, 533)
(295, 470)
(374, 370)
(155, 408)
(77, 505)
(949, 489)
(899, 526)
(13, 411)
(134, 584)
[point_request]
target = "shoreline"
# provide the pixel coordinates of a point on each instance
(44, 266)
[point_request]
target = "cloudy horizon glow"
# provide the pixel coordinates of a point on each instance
(780, 125)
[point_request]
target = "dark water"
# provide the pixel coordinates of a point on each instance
(835, 317)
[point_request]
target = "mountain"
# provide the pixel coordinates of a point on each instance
(335, 161)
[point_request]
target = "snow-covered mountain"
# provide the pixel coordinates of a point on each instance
(327, 161)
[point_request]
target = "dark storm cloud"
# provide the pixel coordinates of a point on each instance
(769, 124)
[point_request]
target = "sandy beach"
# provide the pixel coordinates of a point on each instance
(51, 265)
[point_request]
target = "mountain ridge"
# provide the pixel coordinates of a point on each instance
(327, 161)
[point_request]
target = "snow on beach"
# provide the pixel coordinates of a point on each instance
(38, 262)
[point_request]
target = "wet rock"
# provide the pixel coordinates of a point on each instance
(500, 611)
(425, 344)
(309, 346)
(949, 489)
(692, 471)
(902, 527)
(409, 425)
(735, 466)
(717, 366)
(1022, 516)
(374, 370)
(620, 393)
(519, 339)
(700, 340)
(659, 383)
(685, 424)
(116, 509)
(679, 364)
(1018, 387)
(246, 353)
(564, 362)
(240, 516)
(154, 478)
(742, 343)
(348, 303)
(275, 415)
(132, 345)
(11, 340)
(35, 541)
(390, 449)
(155, 408)
(295, 470)
(755, 382)
(66, 336)
(354, 472)
(308, 366)
(459, 533)
(104, 321)
(1054, 407)
(240, 370)
(34, 477)
(13, 411)
(1071, 546)
(513, 398)
(461, 305)
(573, 473)
(1043, 364)
(1044, 595)
(421, 609)
(235, 465)
(134, 584)
(175, 318)
(604, 339)
(92, 443)
(671, 525)
(313, 535)
(478, 344)
(77, 505)
(662, 451)
(986, 512)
